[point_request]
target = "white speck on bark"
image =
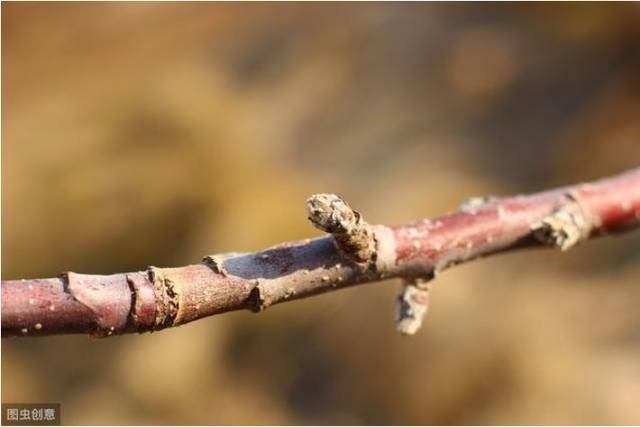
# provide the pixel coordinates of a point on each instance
(473, 204)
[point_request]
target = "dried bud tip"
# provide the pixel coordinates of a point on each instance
(329, 213)
(412, 305)
(564, 228)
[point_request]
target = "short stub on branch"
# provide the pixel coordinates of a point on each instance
(353, 235)
(412, 305)
(356, 241)
(565, 227)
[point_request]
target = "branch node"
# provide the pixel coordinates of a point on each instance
(353, 235)
(143, 304)
(167, 301)
(107, 297)
(258, 299)
(216, 263)
(565, 227)
(412, 305)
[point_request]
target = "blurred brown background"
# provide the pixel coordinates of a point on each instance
(152, 134)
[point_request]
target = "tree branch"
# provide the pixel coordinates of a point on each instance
(354, 253)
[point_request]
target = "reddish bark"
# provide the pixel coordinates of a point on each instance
(163, 297)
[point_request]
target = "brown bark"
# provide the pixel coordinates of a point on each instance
(355, 253)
